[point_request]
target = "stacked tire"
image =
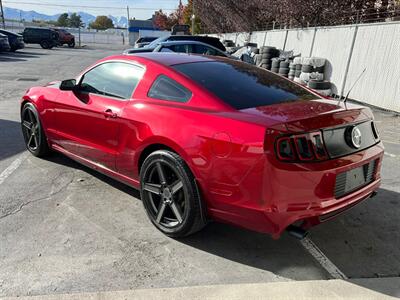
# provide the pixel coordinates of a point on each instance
(297, 69)
(312, 73)
(275, 63)
(284, 68)
(292, 71)
(267, 54)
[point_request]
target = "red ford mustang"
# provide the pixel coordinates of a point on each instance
(207, 138)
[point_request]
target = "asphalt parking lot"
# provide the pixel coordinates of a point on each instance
(65, 228)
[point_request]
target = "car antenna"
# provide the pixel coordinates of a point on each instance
(354, 84)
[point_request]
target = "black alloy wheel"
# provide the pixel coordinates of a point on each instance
(170, 195)
(34, 136)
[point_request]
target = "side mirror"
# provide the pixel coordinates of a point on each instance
(68, 85)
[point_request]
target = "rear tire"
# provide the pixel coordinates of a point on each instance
(45, 44)
(170, 195)
(32, 131)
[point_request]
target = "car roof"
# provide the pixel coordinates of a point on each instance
(7, 32)
(169, 43)
(169, 59)
(166, 58)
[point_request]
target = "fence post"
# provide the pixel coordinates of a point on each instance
(284, 43)
(79, 36)
(313, 41)
(346, 71)
(265, 37)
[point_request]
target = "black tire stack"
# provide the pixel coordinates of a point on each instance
(275, 62)
(267, 54)
(292, 71)
(284, 68)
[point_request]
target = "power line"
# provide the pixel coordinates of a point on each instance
(87, 6)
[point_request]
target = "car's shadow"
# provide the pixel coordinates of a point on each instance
(11, 138)
(363, 242)
(5, 58)
(65, 161)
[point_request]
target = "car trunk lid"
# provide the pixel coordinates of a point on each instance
(301, 116)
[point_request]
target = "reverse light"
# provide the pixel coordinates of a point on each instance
(301, 147)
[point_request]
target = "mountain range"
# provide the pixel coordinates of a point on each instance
(17, 14)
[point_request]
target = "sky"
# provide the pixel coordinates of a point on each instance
(139, 9)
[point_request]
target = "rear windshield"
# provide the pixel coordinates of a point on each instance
(242, 85)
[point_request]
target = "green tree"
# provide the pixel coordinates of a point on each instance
(187, 18)
(63, 20)
(75, 21)
(102, 23)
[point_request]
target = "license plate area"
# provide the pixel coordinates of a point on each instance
(354, 179)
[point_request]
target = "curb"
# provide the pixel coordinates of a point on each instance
(365, 289)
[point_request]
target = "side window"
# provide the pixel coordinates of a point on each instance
(113, 79)
(165, 88)
(179, 48)
(167, 49)
(201, 49)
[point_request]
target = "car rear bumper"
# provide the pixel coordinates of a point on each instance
(4, 47)
(18, 45)
(298, 194)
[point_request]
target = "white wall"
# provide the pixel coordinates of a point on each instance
(334, 45)
(376, 48)
(300, 41)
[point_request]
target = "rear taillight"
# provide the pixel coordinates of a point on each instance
(302, 147)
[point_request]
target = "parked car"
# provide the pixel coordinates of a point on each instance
(189, 47)
(45, 37)
(4, 45)
(65, 38)
(215, 42)
(143, 41)
(15, 40)
(210, 138)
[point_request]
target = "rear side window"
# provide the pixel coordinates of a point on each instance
(242, 85)
(165, 88)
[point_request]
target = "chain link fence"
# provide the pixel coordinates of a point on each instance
(112, 36)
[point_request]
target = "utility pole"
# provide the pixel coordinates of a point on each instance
(193, 17)
(127, 25)
(2, 15)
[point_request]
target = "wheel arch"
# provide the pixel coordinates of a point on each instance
(162, 143)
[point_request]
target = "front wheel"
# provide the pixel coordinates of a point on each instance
(34, 135)
(170, 194)
(71, 44)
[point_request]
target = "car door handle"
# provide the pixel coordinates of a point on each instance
(108, 113)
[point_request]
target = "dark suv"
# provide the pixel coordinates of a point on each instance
(45, 37)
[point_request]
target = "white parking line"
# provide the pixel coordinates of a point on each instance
(11, 168)
(390, 154)
(324, 261)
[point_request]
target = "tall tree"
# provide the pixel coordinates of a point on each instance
(102, 23)
(187, 18)
(63, 20)
(161, 20)
(75, 20)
